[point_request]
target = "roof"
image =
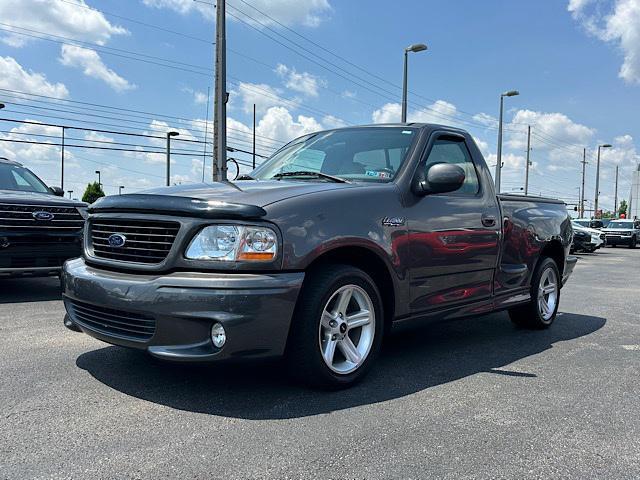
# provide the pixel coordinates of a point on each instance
(10, 162)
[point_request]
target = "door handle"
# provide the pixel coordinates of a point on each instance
(488, 220)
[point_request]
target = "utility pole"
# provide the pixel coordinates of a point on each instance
(62, 161)
(584, 164)
(526, 175)
(206, 133)
(254, 136)
(220, 97)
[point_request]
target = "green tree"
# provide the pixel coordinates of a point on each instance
(92, 193)
(622, 208)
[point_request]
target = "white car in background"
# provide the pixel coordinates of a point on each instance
(597, 237)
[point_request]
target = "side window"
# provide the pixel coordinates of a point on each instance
(446, 150)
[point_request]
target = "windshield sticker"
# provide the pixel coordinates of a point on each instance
(374, 173)
(407, 132)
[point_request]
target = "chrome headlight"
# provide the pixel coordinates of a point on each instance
(230, 243)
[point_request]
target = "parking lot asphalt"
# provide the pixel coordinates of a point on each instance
(475, 398)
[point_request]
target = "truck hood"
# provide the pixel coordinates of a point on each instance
(248, 192)
(34, 198)
(244, 199)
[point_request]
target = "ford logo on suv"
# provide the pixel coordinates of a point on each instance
(42, 215)
(117, 240)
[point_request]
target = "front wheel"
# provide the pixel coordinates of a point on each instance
(633, 242)
(541, 311)
(337, 327)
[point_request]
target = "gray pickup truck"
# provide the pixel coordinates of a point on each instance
(317, 253)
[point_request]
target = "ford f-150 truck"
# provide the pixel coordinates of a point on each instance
(39, 230)
(317, 253)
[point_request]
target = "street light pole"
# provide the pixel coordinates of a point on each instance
(169, 135)
(595, 203)
(416, 47)
(69, 192)
(120, 189)
(510, 93)
(584, 164)
(615, 197)
(220, 97)
(98, 173)
(526, 175)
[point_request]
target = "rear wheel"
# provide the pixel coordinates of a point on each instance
(541, 311)
(337, 328)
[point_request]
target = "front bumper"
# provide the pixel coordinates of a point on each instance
(255, 310)
(619, 239)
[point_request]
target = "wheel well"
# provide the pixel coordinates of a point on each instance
(369, 262)
(555, 251)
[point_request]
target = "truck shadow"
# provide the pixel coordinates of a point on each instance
(413, 360)
(20, 290)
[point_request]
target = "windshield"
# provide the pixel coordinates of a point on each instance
(582, 223)
(623, 225)
(15, 177)
(371, 154)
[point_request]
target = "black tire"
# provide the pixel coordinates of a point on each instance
(530, 315)
(304, 357)
(633, 242)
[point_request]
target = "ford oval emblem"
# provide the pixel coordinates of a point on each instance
(117, 240)
(42, 215)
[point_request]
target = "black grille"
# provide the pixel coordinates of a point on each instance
(147, 241)
(20, 218)
(118, 323)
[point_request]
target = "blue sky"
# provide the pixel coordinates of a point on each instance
(576, 64)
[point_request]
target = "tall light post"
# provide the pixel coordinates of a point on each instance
(416, 47)
(69, 192)
(595, 203)
(120, 189)
(510, 93)
(169, 135)
(615, 203)
(98, 173)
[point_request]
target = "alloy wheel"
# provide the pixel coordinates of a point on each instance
(347, 329)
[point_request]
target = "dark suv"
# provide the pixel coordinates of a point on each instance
(39, 231)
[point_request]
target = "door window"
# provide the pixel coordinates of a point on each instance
(447, 150)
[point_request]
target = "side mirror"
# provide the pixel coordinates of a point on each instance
(442, 178)
(57, 191)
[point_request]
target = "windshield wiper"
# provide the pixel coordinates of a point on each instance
(305, 173)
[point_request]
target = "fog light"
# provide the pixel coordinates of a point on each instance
(218, 335)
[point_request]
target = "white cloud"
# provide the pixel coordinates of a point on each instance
(262, 95)
(304, 82)
(288, 12)
(33, 153)
(621, 26)
(92, 66)
(348, 94)
(279, 124)
(57, 18)
(555, 130)
(199, 98)
(440, 111)
(15, 77)
(329, 121)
